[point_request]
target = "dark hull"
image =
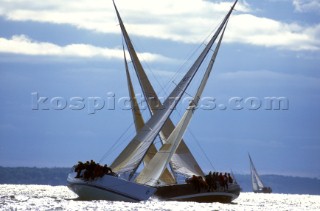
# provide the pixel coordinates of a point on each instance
(187, 192)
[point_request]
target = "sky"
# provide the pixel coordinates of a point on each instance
(64, 93)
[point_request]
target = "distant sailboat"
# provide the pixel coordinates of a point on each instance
(257, 185)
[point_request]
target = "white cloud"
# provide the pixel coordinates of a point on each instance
(306, 5)
(186, 21)
(272, 33)
(21, 44)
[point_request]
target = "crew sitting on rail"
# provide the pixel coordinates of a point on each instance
(91, 170)
(213, 181)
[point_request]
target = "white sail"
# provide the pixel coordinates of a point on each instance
(182, 161)
(142, 141)
(255, 178)
(166, 177)
(152, 172)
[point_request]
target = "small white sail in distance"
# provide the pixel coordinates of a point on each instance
(255, 178)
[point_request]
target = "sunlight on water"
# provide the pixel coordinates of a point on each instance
(45, 197)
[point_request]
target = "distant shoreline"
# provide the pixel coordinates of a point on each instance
(57, 176)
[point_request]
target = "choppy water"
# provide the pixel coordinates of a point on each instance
(45, 197)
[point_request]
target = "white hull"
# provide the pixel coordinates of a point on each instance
(109, 188)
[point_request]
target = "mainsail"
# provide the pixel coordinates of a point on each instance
(255, 178)
(153, 171)
(182, 161)
(139, 123)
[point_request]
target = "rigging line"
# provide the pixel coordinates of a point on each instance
(197, 142)
(188, 58)
(114, 147)
(184, 91)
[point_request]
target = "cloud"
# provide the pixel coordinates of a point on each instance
(306, 5)
(185, 21)
(21, 44)
(164, 19)
(271, 33)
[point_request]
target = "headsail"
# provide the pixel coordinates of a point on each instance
(255, 178)
(152, 172)
(139, 123)
(182, 160)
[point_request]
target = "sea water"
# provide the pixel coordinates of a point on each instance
(45, 197)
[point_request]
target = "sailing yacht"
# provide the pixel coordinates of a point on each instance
(257, 185)
(158, 175)
(174, 153)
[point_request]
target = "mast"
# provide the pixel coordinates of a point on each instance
(152, 172)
